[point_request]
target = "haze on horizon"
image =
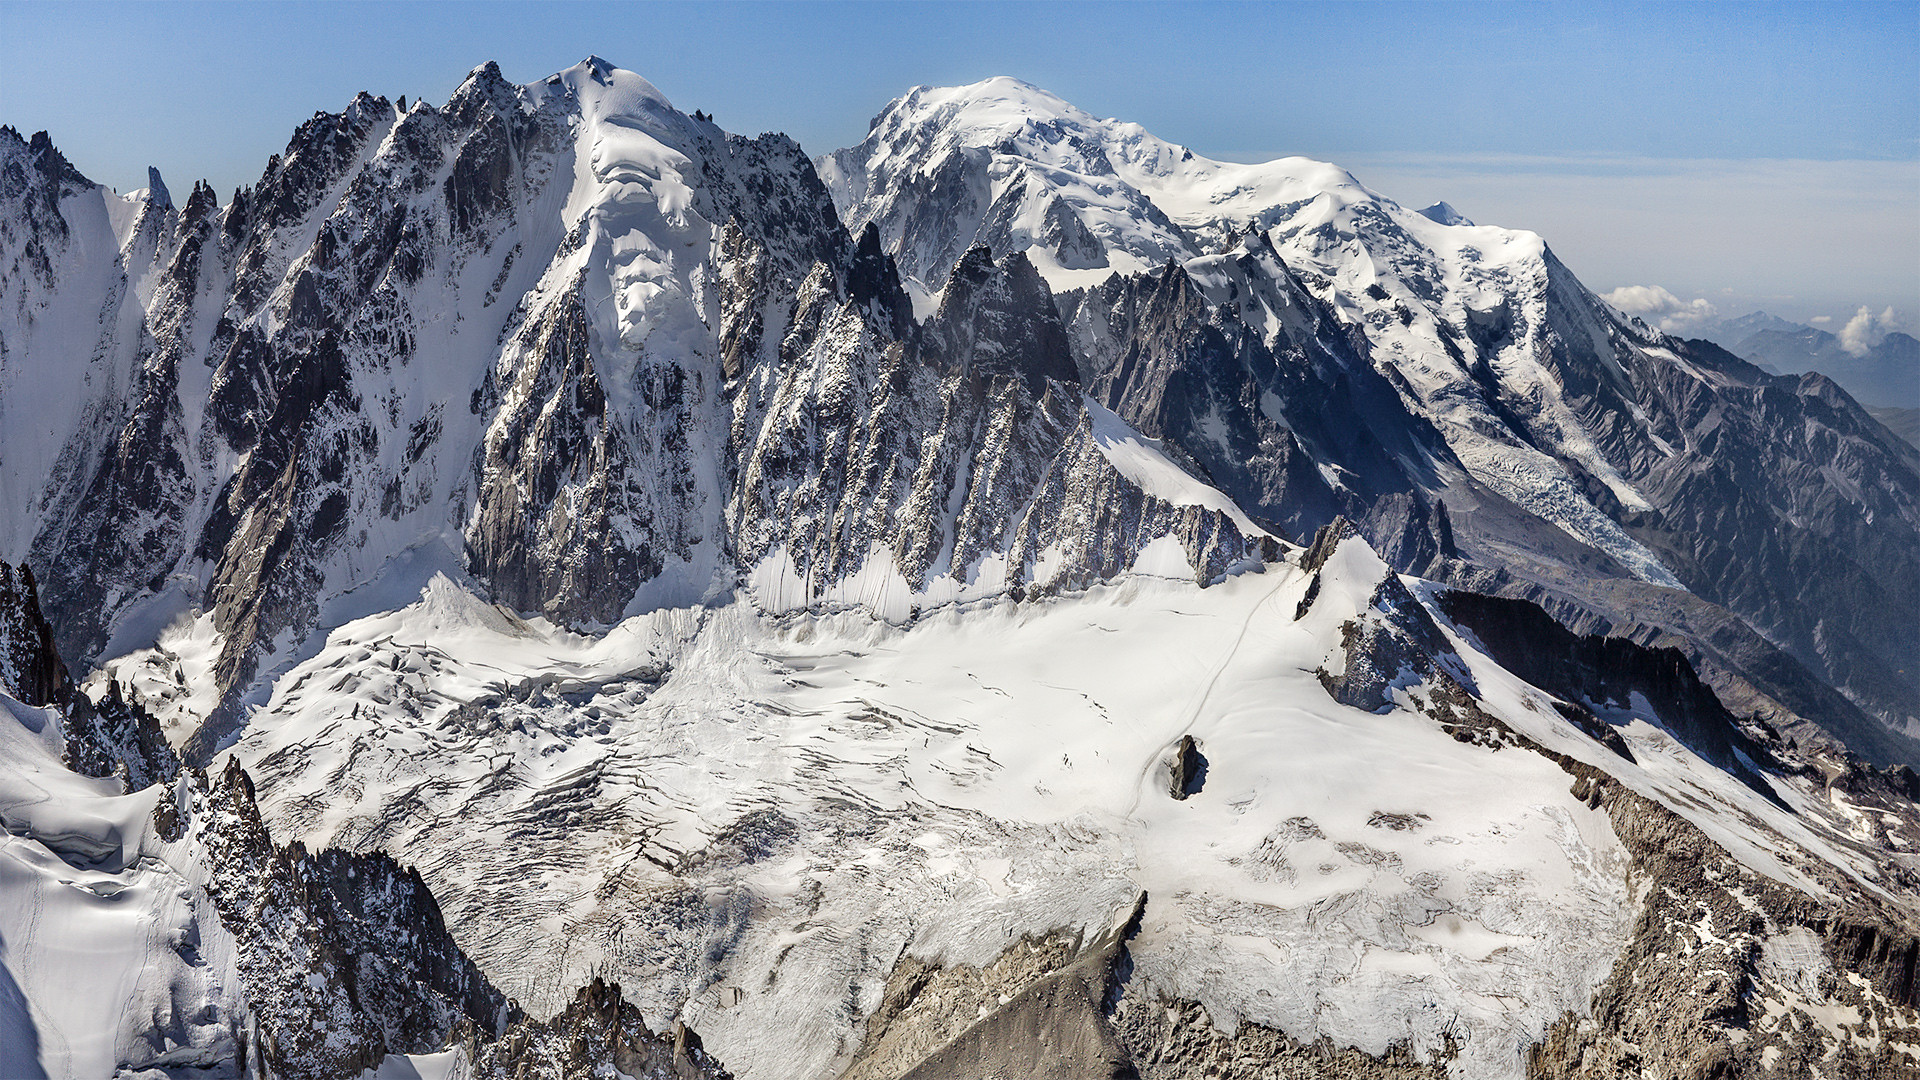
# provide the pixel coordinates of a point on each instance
(1736, 156)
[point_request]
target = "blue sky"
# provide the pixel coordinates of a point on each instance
(1753, 155)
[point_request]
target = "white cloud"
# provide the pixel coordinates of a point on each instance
(1865, 330)
(1661, 308)
(1821, 320)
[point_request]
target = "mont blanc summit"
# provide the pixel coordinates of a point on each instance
(542, 586)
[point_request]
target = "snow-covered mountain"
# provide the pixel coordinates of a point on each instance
(561, 338)
(1884, 377)
(1410, 360)
(1882, 372)
(902, 617)
(1728, 333)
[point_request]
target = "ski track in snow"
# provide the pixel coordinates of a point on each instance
(105, 958)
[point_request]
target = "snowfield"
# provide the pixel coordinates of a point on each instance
(801, 798)
(109, 956)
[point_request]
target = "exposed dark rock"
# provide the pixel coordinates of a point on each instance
(965, 442)
(1186, 769)
(750, 838)
(346, 958)
(1749, 674)
(1176, 1040)
(116, 736)
(1247, 373)
(112, 736)
(1411, 535)
(1750, 518)
(1740, 999)
(1325, 540)
(999, 319)
(850, 433)
(598, 1033)
(1582, 717)
(30, 666)
(1587, 671)
(1040, 1009)
(874, 284)
(1057, 1006)
(1391, 643)
(560, 556)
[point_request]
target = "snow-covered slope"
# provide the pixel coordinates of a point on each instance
(152, 927)
(114, 959)
(1333, 815)
(753, 818)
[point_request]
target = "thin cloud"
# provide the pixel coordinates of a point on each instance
(1656, 306)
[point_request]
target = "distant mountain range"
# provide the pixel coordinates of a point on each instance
(1886, 376)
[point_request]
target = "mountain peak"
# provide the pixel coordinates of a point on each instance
(1443, 213)
(557, 448)
(595, 68)
(609, 89)
(1001, 100)
(157, 193)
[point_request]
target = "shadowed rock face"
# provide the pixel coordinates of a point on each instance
(968, 438)
(345, 956)
(102, 738)
(999, 320)
(30, 666)
(1315, 350)
(1253, 418)
(1588, 671)
(1753, 516)
(1749, 522)
(598, 1033)
(1186, 769)
(115, 736)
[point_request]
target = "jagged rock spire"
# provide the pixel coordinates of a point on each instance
(1000, 319)
(30, 666)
